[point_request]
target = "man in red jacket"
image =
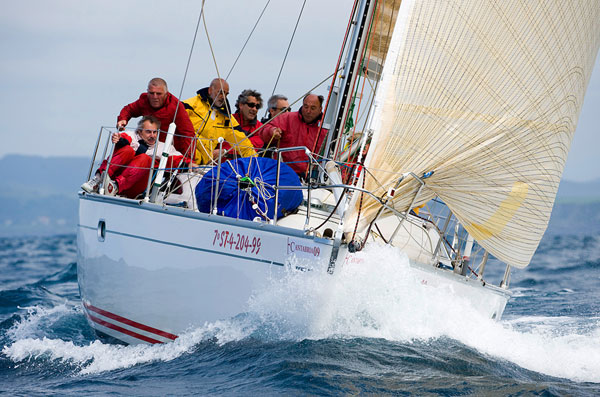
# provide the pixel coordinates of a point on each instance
(132, 159)
(299, 128)
(247, 106)
(160, 103)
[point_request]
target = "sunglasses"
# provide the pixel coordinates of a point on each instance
(252, 105)
(285, 109)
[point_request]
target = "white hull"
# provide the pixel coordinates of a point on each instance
(167, 269)
(485, 299)
(155, 271)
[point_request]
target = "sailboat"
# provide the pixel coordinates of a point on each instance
(449, 124)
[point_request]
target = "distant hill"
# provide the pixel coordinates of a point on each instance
(35, 175)
(39, 196)
(582, 192)
(575, 218)
(576, 209)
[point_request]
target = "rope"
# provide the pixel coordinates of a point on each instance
(356, 83)
(349, 124)
(292, 104)
(187, 65)
(192, 148)
(212, 52)
(248, 39)
(235, 144)
(261, 188)
(380, 234)
(288, 49)
(372, 87)
(360, 203)
(337, 68)
(342, 196)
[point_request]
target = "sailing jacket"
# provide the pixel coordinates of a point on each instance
(211, 123)
(133, 139)
(132, 159)
(183, 139)
(295, 132)
(249, 127)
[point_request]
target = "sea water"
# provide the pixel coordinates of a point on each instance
(370, 329)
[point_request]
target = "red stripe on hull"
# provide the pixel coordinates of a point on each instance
(122, 330)
(131, 323)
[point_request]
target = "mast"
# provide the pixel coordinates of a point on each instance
(362, 19)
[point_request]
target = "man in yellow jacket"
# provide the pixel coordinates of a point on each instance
(210, 114)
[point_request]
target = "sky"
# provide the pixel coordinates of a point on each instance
(69, 66)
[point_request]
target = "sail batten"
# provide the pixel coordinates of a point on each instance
(487, 94)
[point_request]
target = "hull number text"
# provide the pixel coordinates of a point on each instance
(236, 241)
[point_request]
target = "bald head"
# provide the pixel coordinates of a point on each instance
(218, 91)
(311, 108)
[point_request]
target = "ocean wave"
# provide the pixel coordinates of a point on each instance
(372, 298)
(378, 298)
(28, 341)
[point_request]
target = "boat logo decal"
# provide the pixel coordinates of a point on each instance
(294, 247)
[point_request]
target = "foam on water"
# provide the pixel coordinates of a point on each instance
(98, 357)
(374, 296)
(37, 320)
(561, 347)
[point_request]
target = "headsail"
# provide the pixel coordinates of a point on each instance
(386, 12)
(486, 94)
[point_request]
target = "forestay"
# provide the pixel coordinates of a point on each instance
(486, 94)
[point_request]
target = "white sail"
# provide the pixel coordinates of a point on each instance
(486, 94)
(386, 12)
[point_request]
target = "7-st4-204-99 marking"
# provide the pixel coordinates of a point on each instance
(236, 241)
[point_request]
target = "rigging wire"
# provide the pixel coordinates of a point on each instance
(247, 40)
(288, 48)
(293, 103)
(366, 51)
(360, 203)
(212, 52)
(373, 29)
(187, 65)
(363, 73)
(192, 148)
(341, 107)
(375, 88)
(337, 68)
